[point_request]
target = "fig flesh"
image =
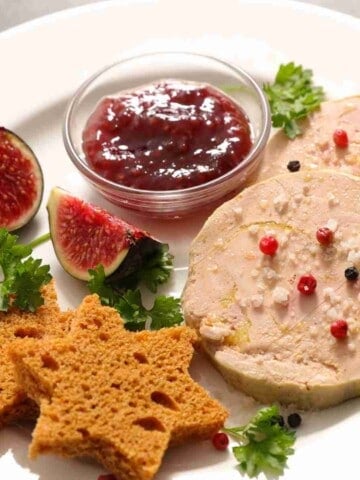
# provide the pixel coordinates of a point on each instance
(21, 181)
(85, 236)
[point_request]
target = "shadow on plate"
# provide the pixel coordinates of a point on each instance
(14, 441)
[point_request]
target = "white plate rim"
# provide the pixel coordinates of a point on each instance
(326, 436)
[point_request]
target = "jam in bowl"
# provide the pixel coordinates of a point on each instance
(157, 134)
(166, 136)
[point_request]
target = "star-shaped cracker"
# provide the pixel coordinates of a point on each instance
(118, 396)
(14, 326)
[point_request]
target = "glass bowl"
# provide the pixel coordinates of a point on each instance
(132, 72)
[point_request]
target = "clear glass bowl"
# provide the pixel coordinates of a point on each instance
(139, 70)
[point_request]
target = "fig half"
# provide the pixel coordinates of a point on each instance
(21, 181)
(85, 236)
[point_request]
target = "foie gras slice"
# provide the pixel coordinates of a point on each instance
(265, 336)
(315, 148)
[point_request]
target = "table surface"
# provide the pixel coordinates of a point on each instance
(14, 12)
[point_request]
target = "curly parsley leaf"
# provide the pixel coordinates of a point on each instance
(132, 311)
(156, 270)
(264, 444)
(165, 312)
(97, 284)
(21, 275)
(292, 97)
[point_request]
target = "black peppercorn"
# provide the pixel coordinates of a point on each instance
(351, 273)
(294, 420)
(293, 166)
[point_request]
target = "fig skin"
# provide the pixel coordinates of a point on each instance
(24, 217)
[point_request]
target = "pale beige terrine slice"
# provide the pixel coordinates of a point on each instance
(315, 148)
(265, 337)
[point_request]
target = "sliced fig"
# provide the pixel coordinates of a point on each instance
(21, 181)
(85, 236)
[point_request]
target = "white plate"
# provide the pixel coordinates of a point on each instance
(45, 60)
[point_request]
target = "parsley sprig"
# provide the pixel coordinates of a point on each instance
(165, 312)
(21, 279)
(21, 276)
(292, 97)
(264, 444)
(154, 271)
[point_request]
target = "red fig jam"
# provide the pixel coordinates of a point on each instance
(166, 136)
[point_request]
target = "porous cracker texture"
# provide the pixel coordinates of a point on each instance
(118, 396)
(14, 326)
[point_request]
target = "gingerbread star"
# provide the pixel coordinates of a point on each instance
(118, 396)
(15, 325)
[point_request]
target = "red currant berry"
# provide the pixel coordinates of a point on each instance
(220, 441)
(324, 236)
(107, 477)
(307, 284)
(339, 329)
(268, 245)
(340, 138)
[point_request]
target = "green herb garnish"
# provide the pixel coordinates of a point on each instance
(21, 276)
(165, 312)
(154, 271)
(292, 97)
(264, 444)
(157, 269)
